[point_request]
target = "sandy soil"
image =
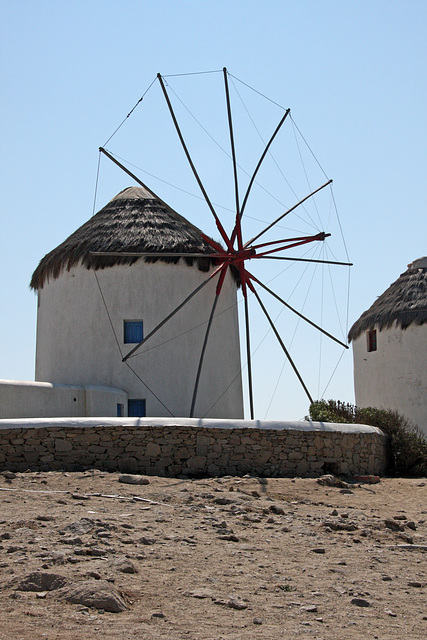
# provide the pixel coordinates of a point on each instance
(214, 559)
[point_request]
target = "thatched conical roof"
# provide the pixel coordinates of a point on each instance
(133, 221)
(403, 303)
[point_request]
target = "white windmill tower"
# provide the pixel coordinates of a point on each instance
(93, 311)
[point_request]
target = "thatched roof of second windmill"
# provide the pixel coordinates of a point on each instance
(403, 303)
(133, 221)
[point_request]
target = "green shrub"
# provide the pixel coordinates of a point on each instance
(407, 454)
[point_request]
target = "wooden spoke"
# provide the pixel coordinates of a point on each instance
(233, 150)
(187, 153)
(153, 254)
(165, 320)
(346, 264)
(134, 177)
(313, 324)
(298, 204)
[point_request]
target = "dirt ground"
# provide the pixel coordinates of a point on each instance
(212, 559)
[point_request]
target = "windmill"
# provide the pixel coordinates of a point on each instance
(233, 251)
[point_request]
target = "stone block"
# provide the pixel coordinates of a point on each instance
(196, 462)
(93, 448)
(302, 468)
(201, 450)
(128, 465)
(62, 446)
(261, 457)
(153, 450)
(47, 458)
(31, 456)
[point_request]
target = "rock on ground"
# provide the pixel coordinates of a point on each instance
(94, 593)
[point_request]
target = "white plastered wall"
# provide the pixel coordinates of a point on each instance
(76, 343)
(395, 375)
(20, 399)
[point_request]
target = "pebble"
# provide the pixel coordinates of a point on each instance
(277, 510)
(129, 479)
(223, 501)
(201, 594)
(40, 581)
(94, 574)
(237, 603)
(94, 553)
(126, 566)
(390, 523)
(8, 475)
(390, 613)
(76, 540)
(310, 608)
(336, 525)
(231, 537)
(318, 550)
(84, 525)
(329, 480)
(407, 538)
(360, 602)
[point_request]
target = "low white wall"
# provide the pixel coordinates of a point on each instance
(20, 399)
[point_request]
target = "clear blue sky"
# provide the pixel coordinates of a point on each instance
(352, 72)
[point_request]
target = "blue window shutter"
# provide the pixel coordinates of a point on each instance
(133, 331)
(136, 408)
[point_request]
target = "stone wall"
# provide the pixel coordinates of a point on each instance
(284, 449)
